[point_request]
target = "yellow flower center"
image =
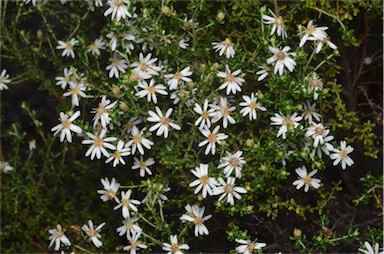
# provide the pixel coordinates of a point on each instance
(111, 193)
(287, 121)
(280, 56)
(66, 124)
(117, 154)
(212, 138)
(310, 30)
(204, 179)
(319, 131)
(253, 105)
(234, 161)
(143, 66)
(137, 139)
(68, 45)
(251, 246)
(143, 165)
(92, 233)
(128, 224)
(279, 21)
(177, 75)
(150, 89)
(125, 202)
(175, 247)
(58, 234)
(229, 78)
(343, 154)
(198, 220)
(164, 121)
(224, 111)
(98, 142)
(229, 188)
(204, 114)
(307, 179)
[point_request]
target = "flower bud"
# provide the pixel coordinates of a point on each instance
(297, 233)
(166, 11)
(220, 16)
(39, 34)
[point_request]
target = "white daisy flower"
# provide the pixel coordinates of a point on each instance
(179, 76)
(195, 215)
(228, 189)
(4, 80)
(282, 58)
(306, 179)
(325, 41)
(63, 81)
(145, 66)
(316, 85)
(174, 247)
(98, 144)
(263, 73)
(224, 47)
(127, 203)
(134, 243)
(223, 111)
(212, 138)
(138, 141)
(96, 46)
(93, 233)
(102, 112)
(118, 8)
(66, 126)
(32, 144)
(286, 122)
(133, 121)
(309, 112)
(318, 132)
(231, 82)
(204, 115)
(341, 155)
(312, 33)
(150, 90)
(185, 94)
(143, 165)
(113, 40)
(116, 66)
(119, 153)
(203, 183)
(278, 24)
(163, 123)
(232, 162)
(5, 167)
(183, 43)
(76, 90)
(370, 250)
(110, 189)
(324, 148)
(57, 236)
(127, 42)
(250, 105)
(248, 246)
(130, 225)
(68, 47)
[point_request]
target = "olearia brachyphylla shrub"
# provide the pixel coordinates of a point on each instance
(195, 121)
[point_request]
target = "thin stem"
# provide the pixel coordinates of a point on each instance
(322, 62)
(147, 221)
(328, 14)
(83, 249)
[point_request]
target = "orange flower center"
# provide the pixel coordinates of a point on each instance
(212, 138)
(204, 179)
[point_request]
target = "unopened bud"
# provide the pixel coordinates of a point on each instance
(297, 233)
(220, 16)
(166, 10)
(123, 106)
(116, 90)
(39, 34)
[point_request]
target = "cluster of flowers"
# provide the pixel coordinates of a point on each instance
(212, 114)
